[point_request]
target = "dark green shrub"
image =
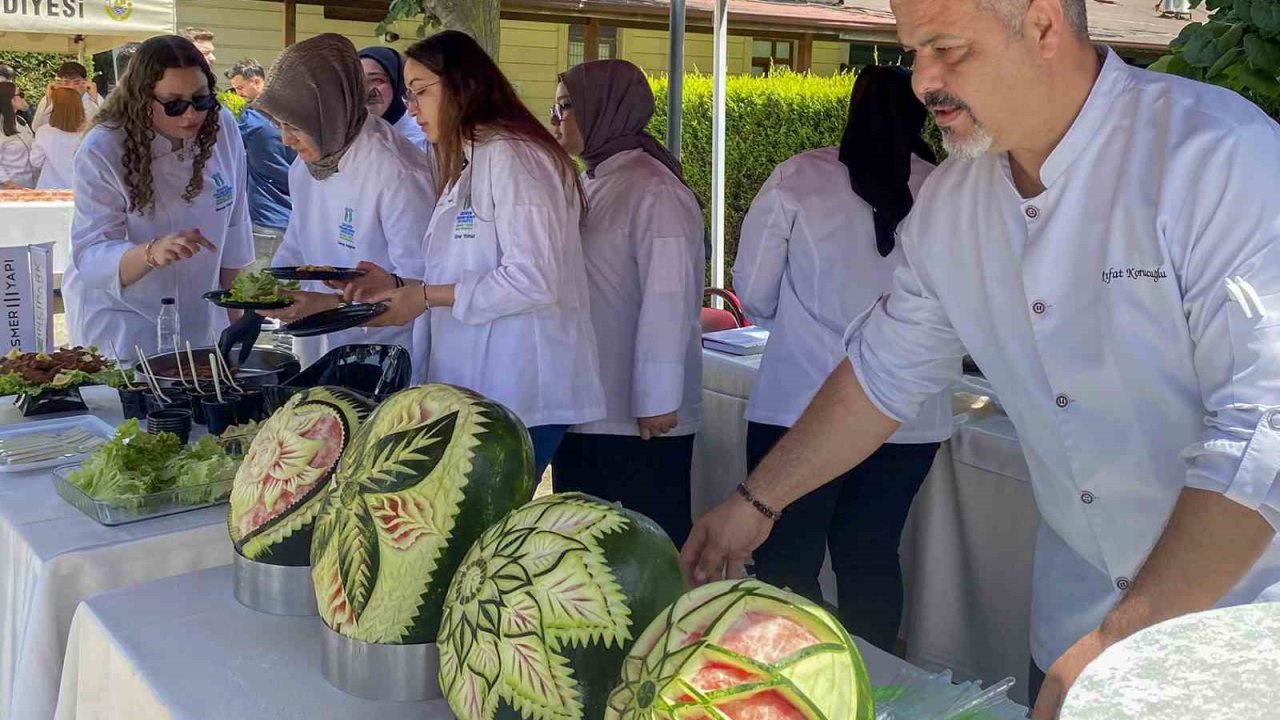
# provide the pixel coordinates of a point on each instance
(35, 71)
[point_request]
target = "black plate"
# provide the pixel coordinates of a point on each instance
(343, 318)
(221, 299)
(297, 273)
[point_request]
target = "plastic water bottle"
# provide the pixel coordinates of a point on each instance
(168, 331)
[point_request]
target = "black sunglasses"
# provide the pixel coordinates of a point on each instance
(202, 103)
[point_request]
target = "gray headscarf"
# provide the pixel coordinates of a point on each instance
(613, 104)
(318, 87)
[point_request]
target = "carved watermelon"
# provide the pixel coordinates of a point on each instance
(743, 650)
(539, 616)
(429, 471)
(285, 475)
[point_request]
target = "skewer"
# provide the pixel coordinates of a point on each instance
(151, 378)
(217, 384)
(124, 374)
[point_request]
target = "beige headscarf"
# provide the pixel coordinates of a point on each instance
(318, 87)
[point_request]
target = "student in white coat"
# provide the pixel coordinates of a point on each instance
(360, 191)
(817, 249)
(645, 265)
(16, 140)
(160, 208)
(54, 151)
(505, 284)
(384, 73)
(1105, 242)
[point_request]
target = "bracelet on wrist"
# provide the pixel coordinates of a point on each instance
(426, 302)
(760, 507)
(151, 260)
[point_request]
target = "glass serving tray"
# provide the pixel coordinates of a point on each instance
(122, 511)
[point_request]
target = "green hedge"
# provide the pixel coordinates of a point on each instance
(35, 70)
(768, 120)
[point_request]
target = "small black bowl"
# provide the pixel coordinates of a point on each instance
(220, 415)
(252, 405)
(134, 402)
(178, 400)
(197, 407)
(174, 420)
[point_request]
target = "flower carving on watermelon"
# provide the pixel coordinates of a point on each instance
(286, 462)
(533, 586)
(743, 649)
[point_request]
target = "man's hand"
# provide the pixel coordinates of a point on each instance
(1064, 672)
(722, 542)
(656, 426)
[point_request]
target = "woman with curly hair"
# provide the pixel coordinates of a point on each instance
(161, 209)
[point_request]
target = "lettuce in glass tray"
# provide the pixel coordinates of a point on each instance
(916, 694)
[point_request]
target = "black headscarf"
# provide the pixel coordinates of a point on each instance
(885, 122)
(393, 65)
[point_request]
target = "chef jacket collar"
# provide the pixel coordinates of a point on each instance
(1085, 128)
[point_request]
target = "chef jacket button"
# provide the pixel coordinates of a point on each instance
(1086, 497)
(1273, 419)
(1062, 401)
(1122, 583)
(1038, 307)
(1033, 212)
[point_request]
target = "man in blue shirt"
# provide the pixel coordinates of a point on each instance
(268, 160)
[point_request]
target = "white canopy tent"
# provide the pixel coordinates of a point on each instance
(80, 27)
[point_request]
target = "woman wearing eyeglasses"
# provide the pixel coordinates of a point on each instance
(643, 246)
(160, 208)
(505, 286)
(360, 190)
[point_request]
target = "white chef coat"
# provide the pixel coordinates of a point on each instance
(99, 310)
(519, 331)
(44, 110)
(1100, 311)
(807, 265)
(646, 270)
(15, 157)
(412, 131)
(54, 152)
(376, 207)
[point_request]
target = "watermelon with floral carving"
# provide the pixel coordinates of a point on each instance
(544, 606)
(427, 473)
(739, 650)
(285, 475)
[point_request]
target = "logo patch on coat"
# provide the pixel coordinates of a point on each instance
(347, 229)
(223, 194)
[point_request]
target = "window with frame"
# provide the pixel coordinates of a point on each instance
(605, 45)
(767, 54)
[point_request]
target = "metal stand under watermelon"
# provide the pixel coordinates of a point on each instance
(275, 589)
(377, 671)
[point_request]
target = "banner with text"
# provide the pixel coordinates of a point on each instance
(139, 18)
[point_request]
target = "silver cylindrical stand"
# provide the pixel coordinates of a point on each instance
(374, 671)
(275, 589)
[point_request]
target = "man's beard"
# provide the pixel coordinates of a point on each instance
(976, 144)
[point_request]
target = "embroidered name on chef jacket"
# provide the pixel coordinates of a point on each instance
(1155, 274)
(347, 229)
(464, 228)
(223, 194)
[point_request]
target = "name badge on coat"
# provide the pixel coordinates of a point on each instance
(223, 194)
(464, 227)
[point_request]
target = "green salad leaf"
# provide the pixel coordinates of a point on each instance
(136, 463)
(259, 287)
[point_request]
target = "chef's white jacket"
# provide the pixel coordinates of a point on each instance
(807, 265)
(409, 128)
(54, 152)
(99, 310)
(1128, 318)
(376, 207)
(519, 332)
(15, 156)
(646, 270)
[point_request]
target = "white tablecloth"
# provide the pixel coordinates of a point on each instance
(32, 223)
(183, 648)
(967, 546)
(52, 557)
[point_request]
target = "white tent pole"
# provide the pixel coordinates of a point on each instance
(720, 69)
(675, 78)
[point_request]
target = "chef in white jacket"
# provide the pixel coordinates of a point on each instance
(818, 247)
(642, 241)
(160, 208)
(1105, 242)
(504, 280)
(360, 191)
